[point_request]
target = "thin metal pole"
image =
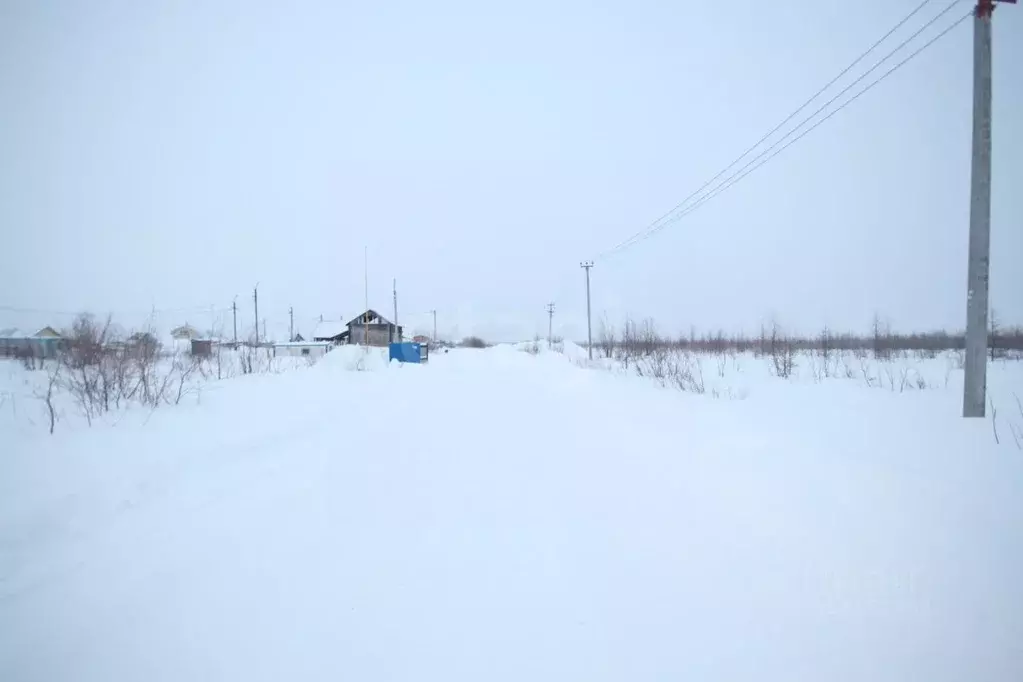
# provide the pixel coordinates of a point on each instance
(586, 265)
(255, 303)
(550, 325)
(975, 375)
(365, 316)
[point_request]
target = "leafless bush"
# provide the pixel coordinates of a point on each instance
(52, 385)
(246, 358)
(783, 353)
(847, 371)
(606, 341)
(825, 350)
(674, 368)
(534, 347)
(473, 342)
(1017, 428)
(184, 367)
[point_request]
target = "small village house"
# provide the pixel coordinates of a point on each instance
(302, 349)
(373, 329)
(372, 325)
(43, 343)
(332, 332)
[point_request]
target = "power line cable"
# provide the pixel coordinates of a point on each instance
(654, 226)
(736, 177)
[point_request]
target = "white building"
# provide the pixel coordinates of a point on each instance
(297, 349)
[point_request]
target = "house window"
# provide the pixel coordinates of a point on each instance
(305, 351)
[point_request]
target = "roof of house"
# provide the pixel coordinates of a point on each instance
(374, 318)
(330, 329)
(185, 329)
(15, 333)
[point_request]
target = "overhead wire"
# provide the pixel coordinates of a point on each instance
(737, 177)
(658, 224)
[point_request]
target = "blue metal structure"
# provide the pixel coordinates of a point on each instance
(408, 352)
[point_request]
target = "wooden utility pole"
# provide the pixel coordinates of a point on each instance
(291, 324)
(975, 374)
(234, 318)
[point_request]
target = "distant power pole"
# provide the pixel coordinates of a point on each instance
(291, 324)
(255, 303)
(365, 316)
(234, 318)
(975, 375)
(550, 325)
(586, 265)
(434, 325)
(395, 288)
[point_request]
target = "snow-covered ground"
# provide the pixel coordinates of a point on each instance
(505, 515)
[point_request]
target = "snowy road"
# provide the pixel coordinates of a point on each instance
(497, 516)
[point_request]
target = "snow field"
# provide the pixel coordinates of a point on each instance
(499, 515)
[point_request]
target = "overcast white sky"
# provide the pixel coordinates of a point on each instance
(172, 154)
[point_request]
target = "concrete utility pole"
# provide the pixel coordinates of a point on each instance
(550, 325)
(234, 318)
(434, 325)
(975, 375)
(291, 324)
(255, 303)
(586, 265)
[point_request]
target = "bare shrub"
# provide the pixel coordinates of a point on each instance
(882, 333)
(52, 385)
(473, 342)
(183, 366)
(865, 372)
(606, 341)
(825, 350)
(1017, 429)
(783, 353)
